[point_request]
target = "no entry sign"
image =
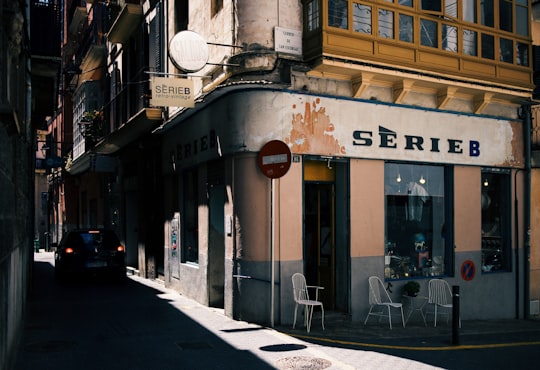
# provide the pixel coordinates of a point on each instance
(274, 159)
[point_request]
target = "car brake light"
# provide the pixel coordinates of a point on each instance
(69, 250)
(120, 248)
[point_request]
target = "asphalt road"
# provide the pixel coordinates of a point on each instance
(101, 324)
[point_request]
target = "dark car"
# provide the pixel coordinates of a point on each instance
(90, 252)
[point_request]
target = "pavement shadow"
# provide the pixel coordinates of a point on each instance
(97, 323)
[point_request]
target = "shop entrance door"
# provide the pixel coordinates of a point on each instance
(319, 242)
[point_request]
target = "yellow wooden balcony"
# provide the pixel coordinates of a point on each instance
(382, 41)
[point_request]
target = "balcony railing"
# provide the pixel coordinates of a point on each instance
(128, 19)
(91, 37)
(126, 100)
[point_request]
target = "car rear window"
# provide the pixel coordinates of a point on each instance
(93, 239)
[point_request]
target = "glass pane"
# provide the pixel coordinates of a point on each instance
(470, 42)
(428, 33)
(507, 50)
(522, 54)
(522, 21)
(362, 18)
(505, 15)
(386, 23)
(313, 15)
(450, 8)
(433, 5)
(449, 38)
(494, 221)
(487, 12)
(406, 29)
(469, 11)
(408, 3)
(338, 14)
(414, 221)
(488, 46)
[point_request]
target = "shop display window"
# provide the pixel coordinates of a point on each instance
(416, 237)
(190, 250)
(495, 203)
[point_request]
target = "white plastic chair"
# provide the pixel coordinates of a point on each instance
(379, 297)
(301, 298)
(440, 296)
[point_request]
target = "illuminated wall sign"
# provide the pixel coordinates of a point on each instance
(288, 41)
(172, 92)
(188, 51)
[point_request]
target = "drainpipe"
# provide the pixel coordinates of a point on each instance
(527, 208)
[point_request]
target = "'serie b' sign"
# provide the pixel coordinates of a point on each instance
(172, 92)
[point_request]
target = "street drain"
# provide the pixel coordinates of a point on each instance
(302, 363)
(48, 346)
(193, 345)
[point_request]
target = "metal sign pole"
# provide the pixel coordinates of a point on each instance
(272, 246)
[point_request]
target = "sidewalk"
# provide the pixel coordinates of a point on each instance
(150, 326)
(345, 344)
(284, 348)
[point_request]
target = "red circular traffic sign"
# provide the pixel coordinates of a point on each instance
(468, 270)
(274, 159)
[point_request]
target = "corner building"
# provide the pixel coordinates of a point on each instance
(409, 129)
(407, 122)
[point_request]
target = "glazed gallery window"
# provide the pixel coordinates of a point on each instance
(190, 250)
(362, 18)
(417, 241)
(338, 13)
(428, 33)
(312, 16)
(495, 221)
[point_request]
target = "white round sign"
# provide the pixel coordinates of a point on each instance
(188, 51)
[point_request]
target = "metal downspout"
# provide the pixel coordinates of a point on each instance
(527, 209)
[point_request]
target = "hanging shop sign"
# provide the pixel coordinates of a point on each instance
(188, 51)
(274, 159)
(172, 92)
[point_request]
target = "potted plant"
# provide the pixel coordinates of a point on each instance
(411, 288)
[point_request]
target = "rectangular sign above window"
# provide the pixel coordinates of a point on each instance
(172, 92)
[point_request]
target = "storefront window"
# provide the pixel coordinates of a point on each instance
(495, 221)
(190, 250)
(416, 237)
